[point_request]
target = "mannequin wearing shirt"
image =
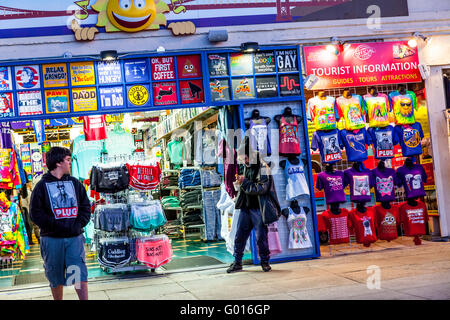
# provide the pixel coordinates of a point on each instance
(293, 160)
(287, 114)
(295, 207)
(413, 203)
(288, 124)
(259, 132)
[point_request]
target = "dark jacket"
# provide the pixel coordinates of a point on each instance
(264, 188)
(60, 207)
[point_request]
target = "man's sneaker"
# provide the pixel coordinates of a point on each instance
(234, 267)
(265, 266)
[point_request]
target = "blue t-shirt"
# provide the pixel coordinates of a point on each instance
(410, 137)
(383, 141)
(85, 154)
(329, 144)
(355, 144)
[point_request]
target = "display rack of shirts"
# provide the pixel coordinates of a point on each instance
(355, 142)
(412, 178)
(322, 112)
(298, 232)
(410, 137)
(383, 140)
(351, 110)
(363, 224)
(384, 182)
(403, 105)
(386, 222)
(329, 144)
(413, 218)
(333, 185)
(378, 108)
(360, 183)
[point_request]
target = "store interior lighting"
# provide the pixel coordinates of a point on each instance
(108, 55)
(413, 42)
(335, 46)
(249, 46)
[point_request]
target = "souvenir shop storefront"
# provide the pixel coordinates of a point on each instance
(370, 144)
(154, 139)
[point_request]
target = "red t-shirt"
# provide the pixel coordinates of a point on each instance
(337, 226)
(386, 222)
(414, 218)
(144, 177)
(364, 225)
(94, 127)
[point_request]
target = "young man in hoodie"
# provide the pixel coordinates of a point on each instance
(60, 206)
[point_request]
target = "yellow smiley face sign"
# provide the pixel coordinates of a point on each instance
(131, 15)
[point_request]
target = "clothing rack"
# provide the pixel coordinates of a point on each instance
(127, 196)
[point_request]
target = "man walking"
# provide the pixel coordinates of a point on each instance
(60, 207)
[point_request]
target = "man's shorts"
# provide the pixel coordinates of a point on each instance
(64, 260)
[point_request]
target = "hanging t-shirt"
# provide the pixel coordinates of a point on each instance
(6, 141)
(337, 226)
(412, 180)
(384, 182)
(414, 218)
(259, 137)
(298, 233)
(363, 224)
(355, 144)
(289, 144)
(329, 144)
(94, 127)
(386, 222)
(119, 142)
(352, 111)
(377, 109)
(84, 155)
(322, 113)
(175, 151)
(296, 181)
(410, 137)
(333, 186)
(403, 106)
(144, 177)
(383, 141)
(360, 183)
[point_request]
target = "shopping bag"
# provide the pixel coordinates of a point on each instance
(274, 239)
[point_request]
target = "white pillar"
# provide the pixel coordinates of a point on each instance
(439, 136)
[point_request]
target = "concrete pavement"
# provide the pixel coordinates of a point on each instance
(404, 271)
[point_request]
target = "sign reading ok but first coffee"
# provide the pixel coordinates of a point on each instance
(78, 88)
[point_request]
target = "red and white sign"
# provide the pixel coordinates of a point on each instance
(363, 64)
(94, 127)
(66, 213)
(163, 68)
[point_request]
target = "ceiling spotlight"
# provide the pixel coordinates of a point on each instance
(413, 42)
(108, 55)
(161, 49)
(249, 46)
